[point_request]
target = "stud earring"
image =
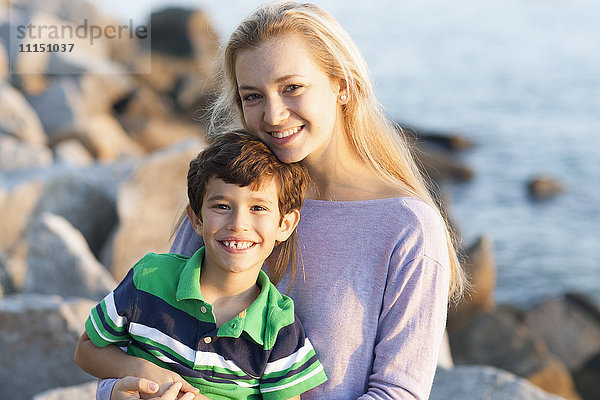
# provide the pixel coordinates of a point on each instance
(343, 97)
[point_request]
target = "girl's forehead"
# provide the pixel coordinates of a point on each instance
(275, 59)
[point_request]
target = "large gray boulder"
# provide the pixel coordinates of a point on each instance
(18, 155)
(570, 326)
(484, 383)
(157, 183)
(60, 108)
(84, 202)
(6, 282)
(497, 338)
(38, 335)
(85, 391)
(18, 118)
(480, 267)
(59, 261)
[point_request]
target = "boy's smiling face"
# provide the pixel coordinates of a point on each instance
(240, 226)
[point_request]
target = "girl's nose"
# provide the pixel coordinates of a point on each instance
(275, 111)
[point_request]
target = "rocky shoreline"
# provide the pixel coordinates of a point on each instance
(92, 176)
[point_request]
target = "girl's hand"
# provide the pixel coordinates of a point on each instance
(163, 377)
(131, 387)
(136, 388)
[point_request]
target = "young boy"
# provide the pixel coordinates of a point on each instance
(214, 318)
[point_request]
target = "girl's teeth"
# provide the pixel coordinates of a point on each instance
(287, 133)
(237, 245)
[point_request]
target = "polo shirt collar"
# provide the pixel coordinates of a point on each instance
(252, 320)
(257, 312)
(189, 279)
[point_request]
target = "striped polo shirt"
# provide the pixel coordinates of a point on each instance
(158, 313)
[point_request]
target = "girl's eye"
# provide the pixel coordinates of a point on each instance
(292, 88)
(258, 208)
(251, 97)
(221, 206)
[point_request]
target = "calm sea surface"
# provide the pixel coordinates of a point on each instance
(522, 80)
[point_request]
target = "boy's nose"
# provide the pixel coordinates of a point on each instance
(238, 221)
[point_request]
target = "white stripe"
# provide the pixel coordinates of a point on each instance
(191, 355)
(98, 331)
(111, 310)
(289, 384)
(165, 340)
(287, 362)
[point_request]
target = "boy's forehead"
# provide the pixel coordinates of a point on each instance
(264, 188)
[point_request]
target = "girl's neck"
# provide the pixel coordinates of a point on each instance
(341, 175)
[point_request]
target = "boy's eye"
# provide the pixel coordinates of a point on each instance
(258, 208)
(221, 206)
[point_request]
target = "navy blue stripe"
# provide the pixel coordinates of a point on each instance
(186, 371)
(155, 312)
(290, 339)
(106, 325)
(293, 372)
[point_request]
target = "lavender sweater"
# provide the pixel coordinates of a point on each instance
(373, 297)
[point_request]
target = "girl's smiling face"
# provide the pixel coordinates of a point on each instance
(288, 100)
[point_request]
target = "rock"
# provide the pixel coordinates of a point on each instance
(183, 42)
(4, 65)
(544, 187)
(184, 33)
(449, 141)
(480, 267)
(59, 261)
(441, 166)
(18, 118)
(498, 339)
(60, 108)
(445, 355)
(67, 11)
(101, 91)
(484, 383)
(6, 283)
(85, 203)
(72, 152)
(194, 95)
(158, 183)
(18, 155)
(570, 326)
(15, 208)
(155, 134)
(587, 378)
(38, 335)
(106, 139)
(85, 391)
(141, 103)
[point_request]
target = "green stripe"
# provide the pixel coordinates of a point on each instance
(296, 389)
(277, 374)
(293, 378)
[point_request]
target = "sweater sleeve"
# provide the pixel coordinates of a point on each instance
(410, 331)
(186, 241)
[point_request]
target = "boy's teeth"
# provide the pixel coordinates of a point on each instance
(237, 245)
(287, 133)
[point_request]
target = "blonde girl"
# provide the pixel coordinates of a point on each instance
(379, 264)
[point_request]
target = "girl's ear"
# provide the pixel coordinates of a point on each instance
(287, 225)
(343, 94)
(194, 220)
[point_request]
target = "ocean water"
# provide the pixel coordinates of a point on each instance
(521, 79)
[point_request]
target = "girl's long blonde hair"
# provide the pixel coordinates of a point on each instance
(372, 135)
